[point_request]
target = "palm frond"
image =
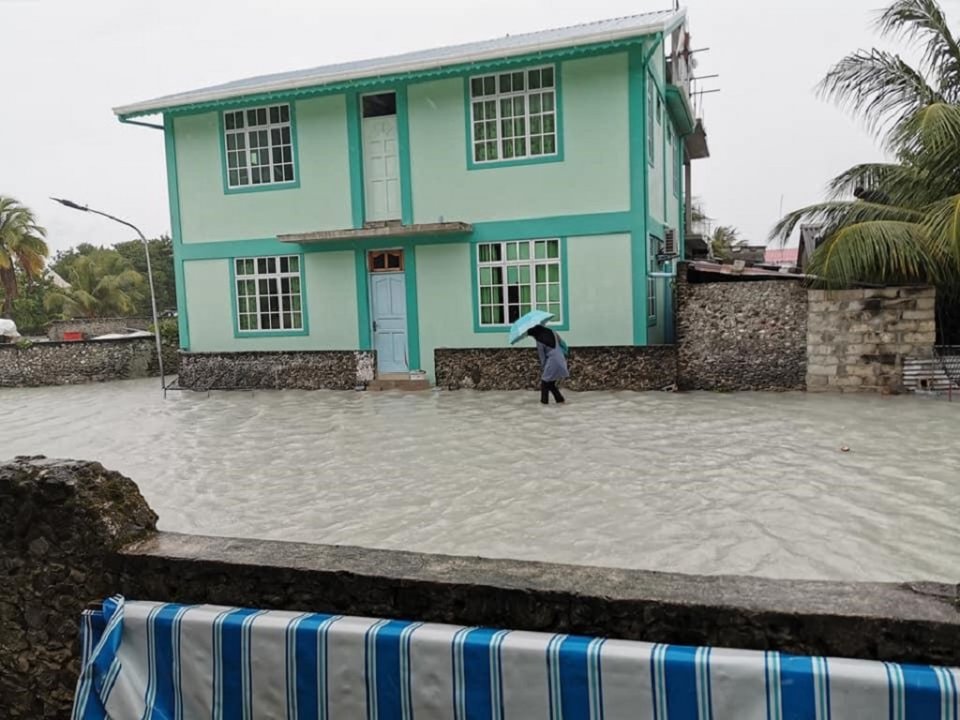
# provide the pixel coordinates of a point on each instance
(943, 226)
(883, 252)
(930, 140)
(838, 213)
(879, 86)
(923, 23)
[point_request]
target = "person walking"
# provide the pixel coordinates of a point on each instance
(553, 362)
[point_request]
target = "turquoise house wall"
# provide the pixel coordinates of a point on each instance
(331, 301)
(592, 178)
(321, 202)
(600, 311)
(655, 186)
(596, 188)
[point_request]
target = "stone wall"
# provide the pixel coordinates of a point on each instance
(741, 335)
(858, 339)
(72, 533)
(591, 368)
(59, 522)
(92, 327)
(71, 363)
(320, 370)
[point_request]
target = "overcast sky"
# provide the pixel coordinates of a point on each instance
(66, 63)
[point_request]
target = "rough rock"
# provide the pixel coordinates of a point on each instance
(59, 521)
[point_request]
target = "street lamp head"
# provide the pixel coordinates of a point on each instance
(69, 204)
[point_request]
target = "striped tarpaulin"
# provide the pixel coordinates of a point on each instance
(155, 661)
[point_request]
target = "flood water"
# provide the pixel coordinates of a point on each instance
(698, 483)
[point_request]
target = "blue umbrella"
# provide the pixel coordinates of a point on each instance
(519, 329)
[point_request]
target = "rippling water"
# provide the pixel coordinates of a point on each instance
(699, 483)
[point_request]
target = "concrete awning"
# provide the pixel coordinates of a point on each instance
(380, 231)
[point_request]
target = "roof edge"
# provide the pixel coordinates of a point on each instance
(170, 102)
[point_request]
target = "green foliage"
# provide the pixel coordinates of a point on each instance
(29, 312)
(22, 249)
(723, 240)
(169, 332)
(161, 261)
(127, 257)
(897, 222)
(103, 283)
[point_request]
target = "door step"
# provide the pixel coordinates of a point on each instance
(404, 384)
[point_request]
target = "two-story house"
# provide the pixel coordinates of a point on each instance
(427, 200)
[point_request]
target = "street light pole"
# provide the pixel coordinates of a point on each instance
(146, 249)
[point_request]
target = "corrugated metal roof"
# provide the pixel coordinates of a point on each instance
(705, 266)
(504, 47)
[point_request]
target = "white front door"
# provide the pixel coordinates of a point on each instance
(381, 168)
(388, 293)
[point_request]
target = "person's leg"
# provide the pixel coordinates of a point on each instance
(544, 392)
(556, 393)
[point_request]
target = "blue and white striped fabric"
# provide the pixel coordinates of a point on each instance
(153, 661)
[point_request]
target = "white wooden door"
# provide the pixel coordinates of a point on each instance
(389, 299)
(381, 168)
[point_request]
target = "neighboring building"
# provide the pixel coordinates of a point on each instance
(427, 200)
(750, 254)
(778, 254)
(797, 251)
(57, 281)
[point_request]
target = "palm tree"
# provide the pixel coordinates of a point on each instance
(22, 246)
(723, 240)
(102, 284)
(896, 222)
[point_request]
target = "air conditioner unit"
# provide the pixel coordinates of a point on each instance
(670, 246)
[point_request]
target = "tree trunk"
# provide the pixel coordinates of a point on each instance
(8, 279)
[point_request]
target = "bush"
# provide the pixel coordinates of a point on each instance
(169, 332)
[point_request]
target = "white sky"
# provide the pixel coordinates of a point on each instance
(66, 63)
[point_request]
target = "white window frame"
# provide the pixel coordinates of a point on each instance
(530, 263)
(263, 274)
(243, 146)
(653, 247)
(497, 98)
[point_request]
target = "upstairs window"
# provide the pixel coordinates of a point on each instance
(269, 294)
(517, 277)
(514, 115)
(259, 147)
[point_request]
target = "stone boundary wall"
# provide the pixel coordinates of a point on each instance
(857, 340)
(96, 326)
(307, 370)
(60, 523)
(72, 533)
(741, 334)
(591, 368)
(72, 363)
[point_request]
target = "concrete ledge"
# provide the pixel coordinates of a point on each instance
(389, 230)
(906, 623)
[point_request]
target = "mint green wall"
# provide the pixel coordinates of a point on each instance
(322, 202)
(656, 188)
(673, 200)
(594, 175)
(331, 302)
(599, 286)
